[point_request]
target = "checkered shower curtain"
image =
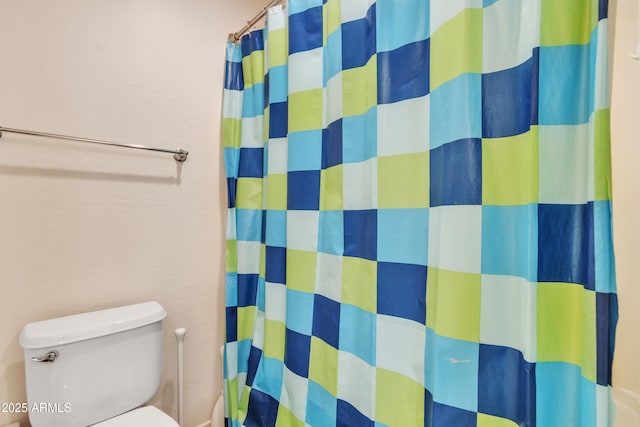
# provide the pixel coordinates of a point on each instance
(419, 222)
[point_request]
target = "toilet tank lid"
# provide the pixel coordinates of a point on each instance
(80, 327)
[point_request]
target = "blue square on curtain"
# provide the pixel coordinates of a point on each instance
(262, 410)
(562, 248)
(456, 173)
(248, 225)
(402, 235)
(349, 416)
(269, 377)
(232, 184)
(607, 318)
(278, 119)
(563, 396)
(603, 9)
(265, 92)
(506, 385)
(296, 352)
(244, 347)
(326, 320)
(305, 150)
(305, 30)
(253, 101)
(360, 234)
(321, 406)
(401, 25)
(428, 408)
(231, 294)
(302, 5)
(278, 84)
(255, 354)
(263, 228)
(444, 415)
(535, 85)
(276, 264)
(403, 73)
(331, 234)
(590, 268)
(603, 242)
(276, 228)
(303, 190)
(359, 40)
(353, 321)
(251, 42)
(332, 144)
(300, 313)
(360, 137)
(510, 241)
(251, 163)
(247, 289)
(234, 79)
(260, 297)
(232, 324)
(456, 110)
(506, 101)
(564, 85)
(451, 372)
(402, 290)
(332, 55)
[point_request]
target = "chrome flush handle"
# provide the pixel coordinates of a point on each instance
(47, 358)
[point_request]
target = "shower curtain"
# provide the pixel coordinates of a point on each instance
(419, 218)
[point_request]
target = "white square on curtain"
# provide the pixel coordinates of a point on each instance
(329, 276)
(302, 230)
(508, 315)
(232, 354)
(231, 224)
(332, 97)
(355, 9)
(400, 345)
(277, 18)
(305, 70)
(601, 98)
(275, 301)
(443, 10)
(360, 186)
(564, 158)
(277, 158)
(510, 31)
(232, 103)
(455, 238)
(252, 132)
(294, 393)
(403, 127)
(248, 257)
(356, 383)
(258, 331)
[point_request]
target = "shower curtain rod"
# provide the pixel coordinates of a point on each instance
(179, 154)
(235, 37)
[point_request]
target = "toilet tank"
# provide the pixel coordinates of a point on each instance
(108, 362)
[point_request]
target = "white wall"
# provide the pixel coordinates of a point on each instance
(625, 116)
(85, 227)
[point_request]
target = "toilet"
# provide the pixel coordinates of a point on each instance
(96, 369)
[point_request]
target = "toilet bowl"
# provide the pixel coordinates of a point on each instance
(96, 368)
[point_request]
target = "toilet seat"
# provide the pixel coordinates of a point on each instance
(147, 416)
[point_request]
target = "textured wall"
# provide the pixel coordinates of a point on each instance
(85, 227)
